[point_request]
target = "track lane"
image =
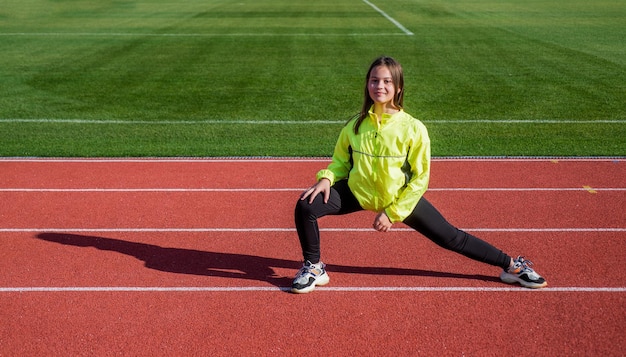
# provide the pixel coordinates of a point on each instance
(296, 173)
(560, 209)
(271, 322)
(378, 323)
(269, 259)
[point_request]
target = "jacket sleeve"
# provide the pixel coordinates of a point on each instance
(341, 163)
(419, 159)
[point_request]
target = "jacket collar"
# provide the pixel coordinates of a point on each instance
(385, 117)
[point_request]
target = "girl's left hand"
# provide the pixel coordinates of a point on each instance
(382, 222)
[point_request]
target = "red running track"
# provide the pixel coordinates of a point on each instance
(193, 257)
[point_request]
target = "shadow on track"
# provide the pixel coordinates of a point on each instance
(228, 265)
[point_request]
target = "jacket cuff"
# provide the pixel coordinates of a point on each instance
(394, 217)
(327, 174)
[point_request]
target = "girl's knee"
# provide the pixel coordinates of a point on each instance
(456, 242)
(304, 208)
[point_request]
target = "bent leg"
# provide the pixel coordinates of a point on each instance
(427, 220)
(341, 201)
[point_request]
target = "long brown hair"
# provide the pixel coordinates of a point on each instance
(398, 81)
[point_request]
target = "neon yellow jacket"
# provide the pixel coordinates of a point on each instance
(387, 164)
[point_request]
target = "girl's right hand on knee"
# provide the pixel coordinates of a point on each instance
(322, 186)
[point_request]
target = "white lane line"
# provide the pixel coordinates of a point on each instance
(565, 289)
(448, 189)
(163, 160)
(150, 189)
(274, 229)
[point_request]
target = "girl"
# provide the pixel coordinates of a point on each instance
(381, 163)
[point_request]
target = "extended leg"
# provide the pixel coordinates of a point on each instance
(427, 220)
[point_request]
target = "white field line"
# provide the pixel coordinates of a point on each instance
(283, 229)
(187, 289)
(294, 122)
(293, 159)
(168, 122)
(457, 189)
(393, 21)
(199, 35)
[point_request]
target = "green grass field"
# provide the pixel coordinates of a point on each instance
(279, 77)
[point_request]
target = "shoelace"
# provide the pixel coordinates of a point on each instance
(311, 269)
(306, 269)
(525, 264)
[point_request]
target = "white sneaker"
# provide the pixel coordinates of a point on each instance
(522, 273)
(308, 277)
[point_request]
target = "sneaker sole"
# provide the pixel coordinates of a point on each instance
(322, 280)
(512, 279)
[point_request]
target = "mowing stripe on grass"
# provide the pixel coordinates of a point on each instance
(298, 122)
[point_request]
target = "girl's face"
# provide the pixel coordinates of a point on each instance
(381, 87)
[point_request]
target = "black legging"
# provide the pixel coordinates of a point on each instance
(425, 219)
